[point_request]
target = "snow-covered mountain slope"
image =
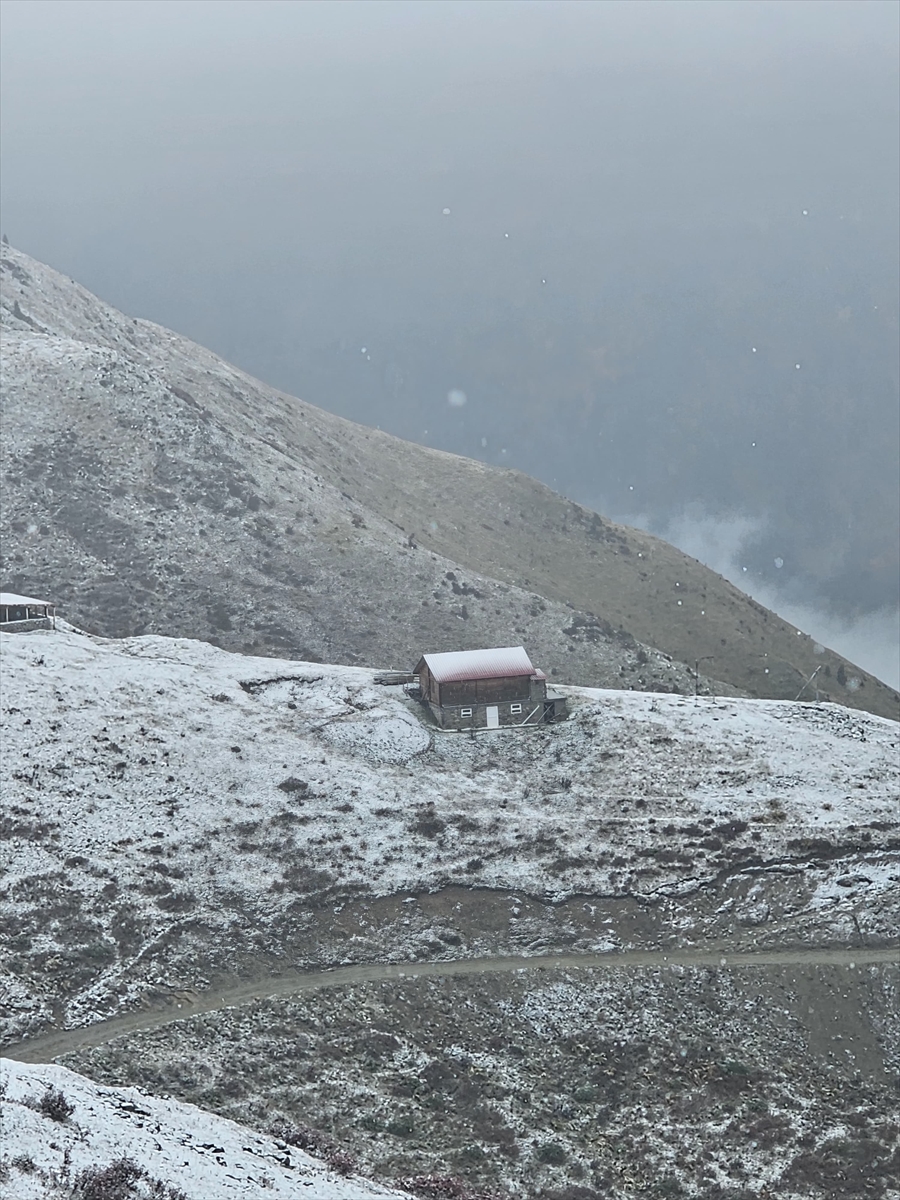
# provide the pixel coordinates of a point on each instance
(191, 1154)
(150, 487)
(170, 809)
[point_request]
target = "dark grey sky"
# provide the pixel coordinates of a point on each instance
(638, 194)
(302, 154)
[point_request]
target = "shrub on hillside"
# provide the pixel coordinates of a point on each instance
(55, 1105)
(314, 1141)
(550, 1152)
(119, 1180)
(444, 1187)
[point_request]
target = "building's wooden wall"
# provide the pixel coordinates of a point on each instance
(486, 691)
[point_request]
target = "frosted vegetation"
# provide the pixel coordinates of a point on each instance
(168, 802)
(66, 1138)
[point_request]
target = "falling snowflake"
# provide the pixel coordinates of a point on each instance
(456, 398)
(446, 212)
(779, 563)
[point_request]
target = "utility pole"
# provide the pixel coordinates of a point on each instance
(808, 682)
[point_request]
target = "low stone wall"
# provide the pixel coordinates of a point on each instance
(452, 718)
(26, 626)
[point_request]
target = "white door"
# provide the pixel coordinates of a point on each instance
(492, 713)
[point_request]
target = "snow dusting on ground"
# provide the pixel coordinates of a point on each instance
(193, 1154)
(155, 785)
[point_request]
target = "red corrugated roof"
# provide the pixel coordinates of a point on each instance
(454, 666)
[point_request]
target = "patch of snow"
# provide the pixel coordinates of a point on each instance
(181, 1145)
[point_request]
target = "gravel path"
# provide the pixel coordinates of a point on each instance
(183, 1004)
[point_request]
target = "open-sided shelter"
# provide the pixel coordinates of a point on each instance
(18, 614)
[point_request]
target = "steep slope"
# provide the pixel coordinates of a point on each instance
(186, 1153)
(153, 488)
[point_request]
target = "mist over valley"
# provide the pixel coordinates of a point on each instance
(449, 549)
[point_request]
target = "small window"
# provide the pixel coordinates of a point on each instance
(515, 708)
(465, 712)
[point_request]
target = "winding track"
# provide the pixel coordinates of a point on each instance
(183, 1005)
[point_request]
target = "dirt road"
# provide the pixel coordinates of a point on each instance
(182, 1005)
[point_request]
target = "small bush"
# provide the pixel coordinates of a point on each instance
(550, 1152)
(400, 1126)
(113, 1182)
(55, 1105)
(443, 1187)
(98, 952)
(292, 784)
(118, 1181)
(427, 823)
(24, 1163)
(473, 1153)
(314, 1141)
(340, 1161)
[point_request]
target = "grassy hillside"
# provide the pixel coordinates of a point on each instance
(151, 487)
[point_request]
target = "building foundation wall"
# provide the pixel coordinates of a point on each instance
(451, 717)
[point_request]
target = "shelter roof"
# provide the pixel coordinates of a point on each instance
(11, 599)
(454, 666)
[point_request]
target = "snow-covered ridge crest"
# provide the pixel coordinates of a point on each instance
(191, 1152)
